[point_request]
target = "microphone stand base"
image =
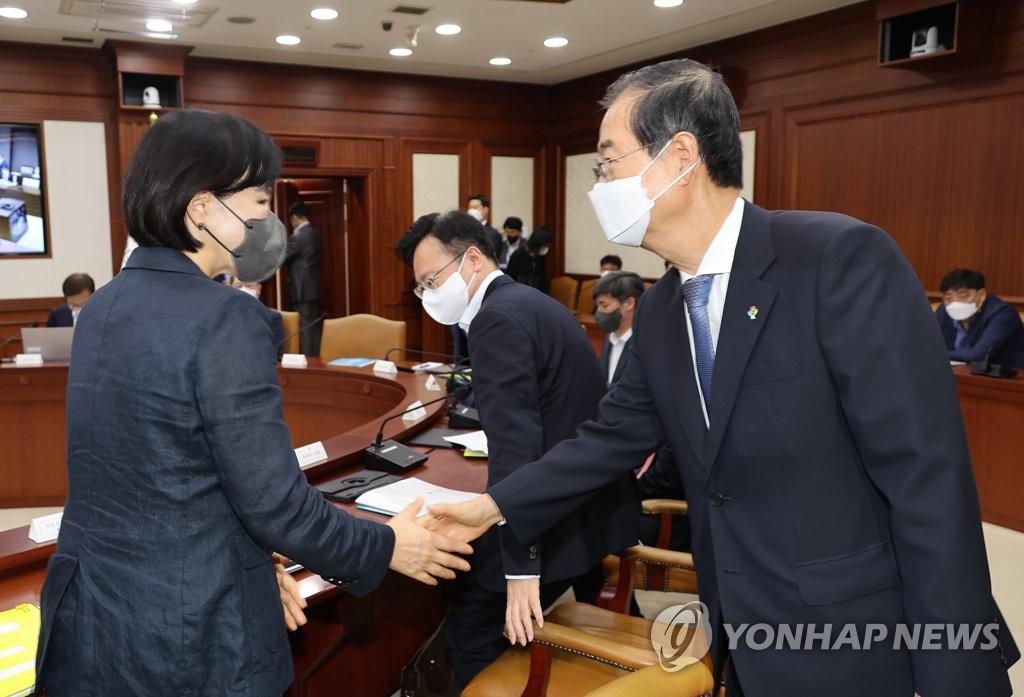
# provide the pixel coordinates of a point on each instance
(392, 456)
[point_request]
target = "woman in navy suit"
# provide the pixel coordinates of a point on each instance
(181, 475)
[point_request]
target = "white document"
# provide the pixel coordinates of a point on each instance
(394, 498)
(474, 440)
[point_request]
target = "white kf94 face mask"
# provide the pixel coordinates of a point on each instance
(623, 207)
(448, 302)
(960, 311)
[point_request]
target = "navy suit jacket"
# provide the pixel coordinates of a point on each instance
(834, 485)
(60, 316)
(995, 325)
(181, 478)
(536, 378)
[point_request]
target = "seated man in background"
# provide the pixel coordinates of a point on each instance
(526, 405)
(615, 298)
(77, 288)
(974, 323)
(609, 263)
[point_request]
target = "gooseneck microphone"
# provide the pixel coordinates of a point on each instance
(392, 456)
(989, 369)
(12, 337)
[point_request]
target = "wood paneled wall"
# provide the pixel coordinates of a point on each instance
(933, 156)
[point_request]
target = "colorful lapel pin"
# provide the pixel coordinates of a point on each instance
(752, 312)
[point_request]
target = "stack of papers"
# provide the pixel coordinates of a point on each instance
(475, 443)
(395, 498)
(19, 634)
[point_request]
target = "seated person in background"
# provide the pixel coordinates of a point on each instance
(527, 264)
(615, 298)
(276, 321)
(77, 288)
(974, 323)
(513, 229)
(609, 263)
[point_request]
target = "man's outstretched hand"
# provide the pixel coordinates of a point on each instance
(464, 521)
(424, 554)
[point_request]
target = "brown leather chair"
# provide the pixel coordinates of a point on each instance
(361, 336)
(290, 323)
(585, 299)
(564, 289)
(585, 650)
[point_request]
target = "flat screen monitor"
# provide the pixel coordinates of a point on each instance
(22, 204)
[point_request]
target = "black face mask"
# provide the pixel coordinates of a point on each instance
(608, 322)
(512, 240)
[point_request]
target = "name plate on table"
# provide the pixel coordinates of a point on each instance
(432, 384)
(312, 454)
(385, 367)
(417, 413)
(45, 528)
(294, 360)
(25, 360)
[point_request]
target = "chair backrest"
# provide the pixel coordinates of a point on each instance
(564, 290)
(290, 324)
(585, 300)
(361, 336)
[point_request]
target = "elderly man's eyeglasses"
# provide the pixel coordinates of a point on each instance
(431, 282)
(601, 172)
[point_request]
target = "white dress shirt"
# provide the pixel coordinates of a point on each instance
(717, 261)
(618, 343)
(476, 301)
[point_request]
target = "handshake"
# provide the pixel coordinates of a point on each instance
(426, 548)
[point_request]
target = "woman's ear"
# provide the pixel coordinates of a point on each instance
(197, 204)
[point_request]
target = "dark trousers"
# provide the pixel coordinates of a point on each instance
(473, 630)
(309, 337)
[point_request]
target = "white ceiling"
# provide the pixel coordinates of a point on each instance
(602, 34)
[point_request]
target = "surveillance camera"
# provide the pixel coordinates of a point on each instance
(386, 24)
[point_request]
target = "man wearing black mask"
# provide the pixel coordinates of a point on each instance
(616, 295)
(513, 229)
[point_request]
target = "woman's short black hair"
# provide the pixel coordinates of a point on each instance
(456, 230)
(185, 152)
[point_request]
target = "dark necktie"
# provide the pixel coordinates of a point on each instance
(695, 293)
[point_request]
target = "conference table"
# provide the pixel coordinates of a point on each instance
(350, 646)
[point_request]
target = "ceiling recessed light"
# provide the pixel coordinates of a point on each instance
(500, 60)
(556, 42)
(448, 29)
(288, 40)
(159, 25)
(13, 13)
(185, 2)
(324, 13)
(668, 3)
(400, 52)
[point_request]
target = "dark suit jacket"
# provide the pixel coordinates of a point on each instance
(605, 358)
(60, 316)
(181, 477)
(303, 260)
(834, 485)
(494, 237)
(536, 378)
(994, 326)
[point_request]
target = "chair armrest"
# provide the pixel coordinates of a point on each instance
(671, 506)
(694, 680)
(594, 647)
(659, 557)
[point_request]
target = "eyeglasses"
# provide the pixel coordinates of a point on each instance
(431, 282)
(601, 172)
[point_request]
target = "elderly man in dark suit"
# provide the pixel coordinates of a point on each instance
(303, 260)
(795, 368)
(527, 405)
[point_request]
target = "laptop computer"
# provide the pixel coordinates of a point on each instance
(54, 343)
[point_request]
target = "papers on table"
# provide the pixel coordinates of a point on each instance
(394, 498)
(956, 363)
(474, 440)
